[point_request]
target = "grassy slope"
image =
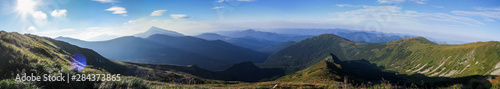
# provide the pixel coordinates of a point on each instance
(412, 55)
(322, 72)
(40, 55)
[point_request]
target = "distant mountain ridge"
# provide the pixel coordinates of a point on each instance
(353, 35)
(262, 40)
(215, 49)
(184, 50)
(246, 42)
(155, 30)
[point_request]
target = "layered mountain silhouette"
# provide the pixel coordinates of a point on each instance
(352, 35)
(261, 41)
(163, 49)
(324, 61)
(276, 47)
(246, 42)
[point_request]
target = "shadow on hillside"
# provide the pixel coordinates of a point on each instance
(366, 73)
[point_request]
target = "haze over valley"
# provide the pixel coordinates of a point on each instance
(165, 44)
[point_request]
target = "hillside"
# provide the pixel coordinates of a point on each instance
(248, 72)
(41, 55)
(408, 56)
(276, 47)
(305, 53)
(321, 72)
(363, 74)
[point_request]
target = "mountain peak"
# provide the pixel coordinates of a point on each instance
(155, 30)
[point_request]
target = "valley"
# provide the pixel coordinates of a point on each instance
(323, 61)
(249, 44)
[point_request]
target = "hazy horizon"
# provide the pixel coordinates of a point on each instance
(464, 20)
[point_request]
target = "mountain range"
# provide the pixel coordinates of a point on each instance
(184, 50)
(42, 55)
(324, 61)
(246, 42)
(261, 40)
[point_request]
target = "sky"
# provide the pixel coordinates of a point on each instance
(91, 20)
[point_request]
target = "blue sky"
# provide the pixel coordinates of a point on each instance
(459, 20)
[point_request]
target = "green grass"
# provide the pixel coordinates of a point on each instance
(401, 55)
(41, 55)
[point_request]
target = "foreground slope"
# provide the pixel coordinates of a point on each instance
(333, 72)
(41, 55)
(321, 72)
(409, 56)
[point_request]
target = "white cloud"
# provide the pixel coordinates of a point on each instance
(218, 7)
(31, 28)
(59, 13)
(133, 21)
(391, 1)
(158, 12)
(180, 16)
(384, 15)
(487, 15)
(419, 1)
(105, 1)
(347, 5)
(118, 10)
(39, 16)
(487, 9)
(397, 20)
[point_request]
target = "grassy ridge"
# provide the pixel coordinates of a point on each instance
(408, 56)
(322, 72)
(41, 55)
